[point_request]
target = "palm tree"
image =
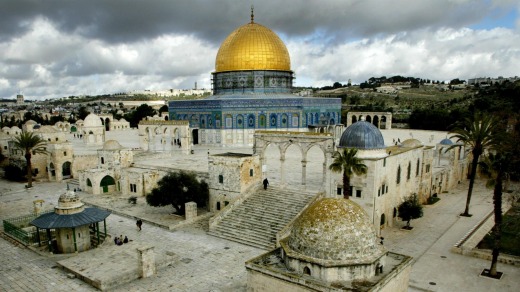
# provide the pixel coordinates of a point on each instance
(30, 144)
(478, 134)
(495, 167)
(347, 163)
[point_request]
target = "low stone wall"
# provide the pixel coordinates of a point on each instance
(486, 255)
(467, 245)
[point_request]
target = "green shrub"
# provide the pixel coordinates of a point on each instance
(14, 173)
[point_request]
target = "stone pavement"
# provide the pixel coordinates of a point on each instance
(206, 263)
(435, 268)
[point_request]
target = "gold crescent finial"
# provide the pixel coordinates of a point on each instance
(252, 14)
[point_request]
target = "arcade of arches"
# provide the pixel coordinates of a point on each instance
(160, 135)
(382, 120)
(313, 151)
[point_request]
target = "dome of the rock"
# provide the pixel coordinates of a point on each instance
(252, 47)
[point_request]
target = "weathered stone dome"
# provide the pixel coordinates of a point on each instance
(92, 120)
(446, 141)
(335, 229)
(411, 143)
(69, 203)
(47, 129)
(252, 47)
(112, 145)
(362, 135)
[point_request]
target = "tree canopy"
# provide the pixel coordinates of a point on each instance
(410, 209)
(348, 164)
(30, 143)
(139, 113)
(478, 134)
(178, 188)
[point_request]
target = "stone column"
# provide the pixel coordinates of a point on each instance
(146, 261)
(190, 210)
(38, 204)
(282, 170)
(304, 172)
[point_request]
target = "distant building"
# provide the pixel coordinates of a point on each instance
(19, 99)
(488, 80)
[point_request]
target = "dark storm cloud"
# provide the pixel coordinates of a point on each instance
(115, 21)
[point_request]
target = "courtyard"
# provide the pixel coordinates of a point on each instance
(205, 263)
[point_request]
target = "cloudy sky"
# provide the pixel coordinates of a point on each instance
(58, 48)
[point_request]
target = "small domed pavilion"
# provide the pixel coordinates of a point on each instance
(75, 226)
(332, 246)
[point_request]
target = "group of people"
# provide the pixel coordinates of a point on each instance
(120, 240)
(79, 136)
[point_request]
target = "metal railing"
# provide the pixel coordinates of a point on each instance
(20, 229)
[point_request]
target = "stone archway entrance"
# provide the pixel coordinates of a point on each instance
(195, 135)
(286, 151)
(66, 170)
(107, 184)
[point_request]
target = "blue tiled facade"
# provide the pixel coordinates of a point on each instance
(259, 112)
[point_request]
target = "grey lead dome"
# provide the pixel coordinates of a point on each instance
(362, 135)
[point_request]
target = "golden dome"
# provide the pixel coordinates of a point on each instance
(252, 47)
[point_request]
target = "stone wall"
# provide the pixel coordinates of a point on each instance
(82, 162)
(230, 175)
(65, 239)
(260, 282)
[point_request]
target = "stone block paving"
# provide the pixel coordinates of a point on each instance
(435, 267)
(206, 263)
(23, 270)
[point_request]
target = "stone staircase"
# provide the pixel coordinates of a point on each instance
(73, 183)
(256, 221)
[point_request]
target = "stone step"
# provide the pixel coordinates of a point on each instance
(260, 235)
(276, 213)
(247, 227)
(256, 221)
(254, 243)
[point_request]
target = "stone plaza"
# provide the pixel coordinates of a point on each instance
(200, 262)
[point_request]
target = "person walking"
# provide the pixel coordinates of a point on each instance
(266, 183)
(139, 223)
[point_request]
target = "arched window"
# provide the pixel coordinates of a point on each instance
(408, 171)
(417, 168)
(240, 122)
(285, 121)
(229, 122)
(89, 183)
(262, 121)
(398, 174)
(307, 271)
(273, 121)
(102, 160)
(251, 121)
